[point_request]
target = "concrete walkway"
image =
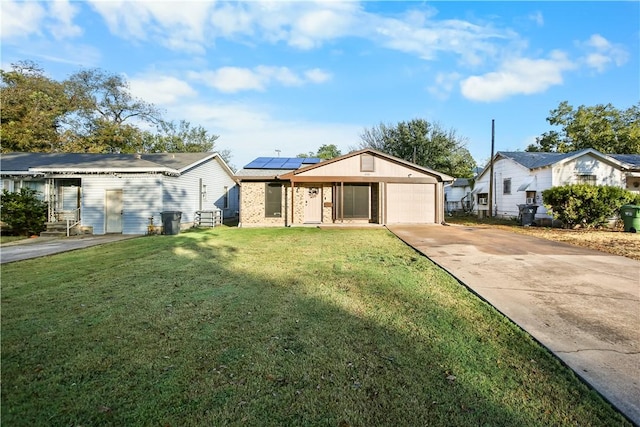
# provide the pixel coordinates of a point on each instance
(43, 246)
(583, 305)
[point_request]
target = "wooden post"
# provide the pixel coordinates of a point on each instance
(491, 183)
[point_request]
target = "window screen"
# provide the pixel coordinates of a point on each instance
(273, 200)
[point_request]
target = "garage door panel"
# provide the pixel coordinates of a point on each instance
(410, 203)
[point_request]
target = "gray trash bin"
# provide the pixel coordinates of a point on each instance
(171, 222)
(527, 214)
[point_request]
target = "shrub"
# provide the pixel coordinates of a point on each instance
(586, 205)
(23, 211)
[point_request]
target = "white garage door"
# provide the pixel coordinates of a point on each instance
(411, 203)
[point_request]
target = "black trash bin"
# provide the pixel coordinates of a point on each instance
(171, 222)
(527, 214)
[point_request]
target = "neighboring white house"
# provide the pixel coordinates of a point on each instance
(120, 193)
(521, 177)
(458, 196)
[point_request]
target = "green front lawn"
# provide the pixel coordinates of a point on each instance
(269, 327)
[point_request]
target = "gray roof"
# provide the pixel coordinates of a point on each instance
(630, 159)
(534, 160)
(159, 162)
(256, 173)
(460, 182)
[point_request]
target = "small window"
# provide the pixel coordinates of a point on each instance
(366, 163)
(7, 184)
(483, 198)
(506, 186)
(225, 198)
(587, 179)
(273, 200)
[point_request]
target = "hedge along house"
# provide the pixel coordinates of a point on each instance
(363, 187)
(120, 193)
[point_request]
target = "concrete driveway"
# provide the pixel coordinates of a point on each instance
(583, 305)
(43, 246)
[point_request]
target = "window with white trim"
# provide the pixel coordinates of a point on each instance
(586, 179)
(506, 186)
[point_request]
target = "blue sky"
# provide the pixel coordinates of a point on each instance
(292, 76)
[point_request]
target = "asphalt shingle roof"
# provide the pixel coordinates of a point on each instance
(533, 160)
(22, 162)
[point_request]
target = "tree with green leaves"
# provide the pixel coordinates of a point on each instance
(33, 109)
(23, 211)
(423, 143)
(325, 152)
(601, 127)
(108, 117)
(93, 111)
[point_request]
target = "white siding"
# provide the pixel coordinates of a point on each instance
(183, 193)
(606, 174)
(507, 204)
(141, 199)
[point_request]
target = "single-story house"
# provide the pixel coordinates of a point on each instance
(124, 193)
(521, 177)
(458, 195)
(362, 187)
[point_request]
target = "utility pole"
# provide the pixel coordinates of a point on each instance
(493, 137)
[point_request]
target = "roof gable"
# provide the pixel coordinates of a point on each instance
(170, 163)
(329, 166)
(539, 160)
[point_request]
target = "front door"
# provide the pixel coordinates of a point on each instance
(312, 205)
(113, 211)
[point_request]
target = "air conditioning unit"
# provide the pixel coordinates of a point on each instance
(530, 200)
(482, 201)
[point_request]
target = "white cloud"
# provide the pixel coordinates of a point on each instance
(235, 79)
(161, 90)
(444, 84)
(601, 53)
(174, 25)
(20, 19)
(537, 18)
(428, 38)
(63, 26)
(23, 19)
(253, 131)
(520, 76)
(317, 75)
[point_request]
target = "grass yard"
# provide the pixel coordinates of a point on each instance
(613, 241)
(269, 327)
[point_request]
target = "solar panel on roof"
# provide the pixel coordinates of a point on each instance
(258, 163)
(281, 162)
(293, 163)
(311, 160)
(274, 163)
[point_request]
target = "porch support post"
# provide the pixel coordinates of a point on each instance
(342, 201)
(293, 184)
(51, 197)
